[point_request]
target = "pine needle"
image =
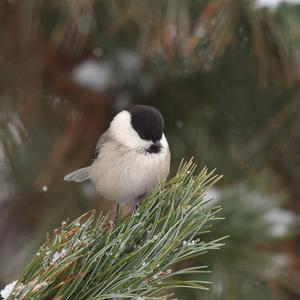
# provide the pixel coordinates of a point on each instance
(86, 259)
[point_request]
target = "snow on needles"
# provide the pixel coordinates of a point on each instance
(5, 293)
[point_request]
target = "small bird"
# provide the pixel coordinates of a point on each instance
(132, 156)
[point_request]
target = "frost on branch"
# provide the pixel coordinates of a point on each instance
(88, 259)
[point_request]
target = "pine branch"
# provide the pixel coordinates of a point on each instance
(87, 259)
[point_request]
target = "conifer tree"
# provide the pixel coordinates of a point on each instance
(136, 259)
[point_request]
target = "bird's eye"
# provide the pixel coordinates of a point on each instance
(142, 136)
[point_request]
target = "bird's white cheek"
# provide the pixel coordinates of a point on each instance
(164, 142)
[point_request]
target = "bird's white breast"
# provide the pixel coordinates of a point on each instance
(122, 175)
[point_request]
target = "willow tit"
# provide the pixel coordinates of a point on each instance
(132, 156)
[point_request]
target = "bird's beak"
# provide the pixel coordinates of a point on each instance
(155, 147)
(157, 144)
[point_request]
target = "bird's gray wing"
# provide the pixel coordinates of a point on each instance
(103, 138)
(84, 173)
(78, 175)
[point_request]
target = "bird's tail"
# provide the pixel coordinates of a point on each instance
(78, 175)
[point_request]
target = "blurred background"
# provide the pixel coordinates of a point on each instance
(226, 76)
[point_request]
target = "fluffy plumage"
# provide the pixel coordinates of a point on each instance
(132, 156)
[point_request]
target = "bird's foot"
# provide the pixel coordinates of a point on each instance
(138, 201)
(109, 226)
(115, 217)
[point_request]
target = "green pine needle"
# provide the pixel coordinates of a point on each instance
(87, 259)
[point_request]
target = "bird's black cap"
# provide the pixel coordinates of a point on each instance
(147, 121)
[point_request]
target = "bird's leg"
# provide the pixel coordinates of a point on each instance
(116, 214)
(136, 204)
(138, 200)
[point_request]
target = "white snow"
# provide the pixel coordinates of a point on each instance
(212, 197)
(212, 193)
(5, 293)
(274, 3)
(155, 237)
(93, 75)
(280, 220)
(186, 243)
(58, 255)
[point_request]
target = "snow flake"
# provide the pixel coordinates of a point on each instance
(155, 237)
(191, 243)
(58, 255)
